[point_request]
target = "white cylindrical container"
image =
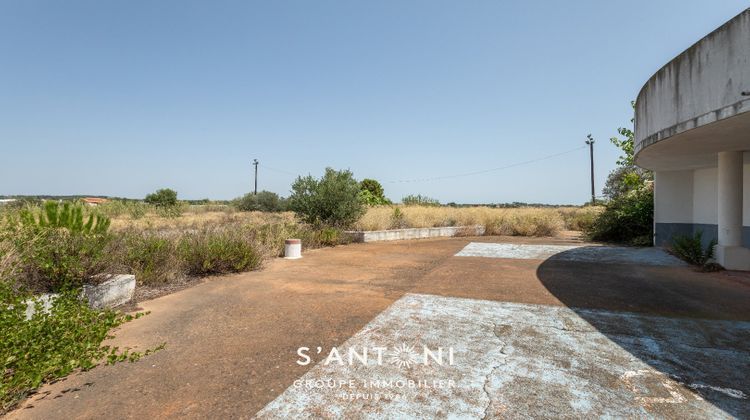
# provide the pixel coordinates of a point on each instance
(292, 249)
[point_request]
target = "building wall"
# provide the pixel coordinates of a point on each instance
(705, 196)
(686, 202)
(702, 85)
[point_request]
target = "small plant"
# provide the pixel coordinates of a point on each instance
(398, 219)
(690, 249)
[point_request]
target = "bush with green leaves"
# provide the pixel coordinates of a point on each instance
(419, 200)
(629, 219)
(690, 248)
(263, 201)
(164, 197)
(333, 200)
(372, 193)
(53, 342)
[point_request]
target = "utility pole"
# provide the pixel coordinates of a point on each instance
(590, 142)
(255, 163)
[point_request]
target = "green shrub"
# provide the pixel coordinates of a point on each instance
(690, 248)
(66, 216)
(164, 197)
(218, 251)
(627, 219)
(53, 343)
(263, 201)
(333, 200)
(151, 257)
(58, 249)
(419, 200)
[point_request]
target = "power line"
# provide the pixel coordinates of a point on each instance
(279, 170)
(483, 171)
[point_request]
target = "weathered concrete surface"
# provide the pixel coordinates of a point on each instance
(581, 253)
(113, 292)
(521, 361)
(414, 233)
(231, 341)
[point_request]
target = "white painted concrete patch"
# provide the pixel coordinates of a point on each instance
(597, 254)
(518, 361)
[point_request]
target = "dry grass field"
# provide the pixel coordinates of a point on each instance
(192, 219)
(522, 221)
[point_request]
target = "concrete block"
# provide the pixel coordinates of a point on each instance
(115, 291)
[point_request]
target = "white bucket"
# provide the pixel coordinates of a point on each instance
(292, 249)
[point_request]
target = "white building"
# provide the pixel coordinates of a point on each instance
(692, 128)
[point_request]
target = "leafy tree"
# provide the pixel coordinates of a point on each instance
(263, 201)
(373, 186)
(372, 193)
(332, 200)
(164, 197)
(627, 176)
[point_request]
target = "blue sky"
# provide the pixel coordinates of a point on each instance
(123, 97)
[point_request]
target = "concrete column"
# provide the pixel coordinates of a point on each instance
(730, 252)
(730, 198)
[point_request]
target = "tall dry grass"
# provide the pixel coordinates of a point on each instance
(198, 219)
(523, 221)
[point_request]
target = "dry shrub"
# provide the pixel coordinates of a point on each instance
(198, 220)
(579, 218)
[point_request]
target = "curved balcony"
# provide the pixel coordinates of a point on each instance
(697, 104)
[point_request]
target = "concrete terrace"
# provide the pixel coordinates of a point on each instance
(539, 327)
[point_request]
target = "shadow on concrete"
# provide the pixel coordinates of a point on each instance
(689, 326)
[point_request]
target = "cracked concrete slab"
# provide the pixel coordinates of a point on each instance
(579, 253)
(519, 360)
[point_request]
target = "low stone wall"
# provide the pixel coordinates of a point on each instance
(413, 233)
